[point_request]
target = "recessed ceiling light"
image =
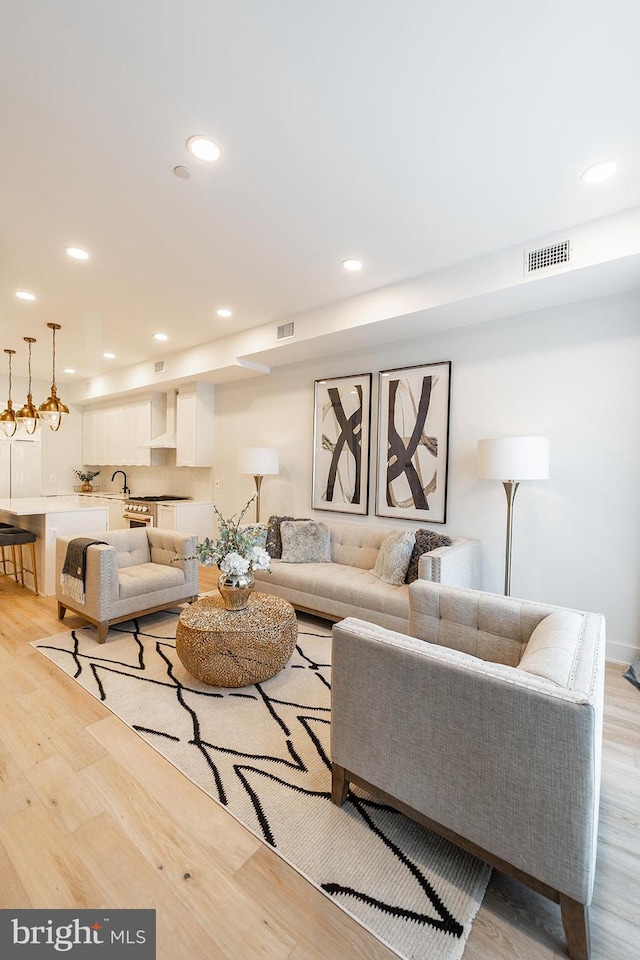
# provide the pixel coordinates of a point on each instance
(352, 264)
(69, 370)
(183, 173)
(160, 336)
(203, 149)
(77, 253)
(109, 356)
(25, 295)
(599, 171)
(224, 312)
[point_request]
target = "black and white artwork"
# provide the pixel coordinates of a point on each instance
(413, 442)
(342, 418)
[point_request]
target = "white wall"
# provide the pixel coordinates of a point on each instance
(61, 454)
(569, 373)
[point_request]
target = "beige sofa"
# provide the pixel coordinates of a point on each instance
(136, 572)
(346, 587)
(489, 733)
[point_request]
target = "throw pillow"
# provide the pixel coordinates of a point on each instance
(274, 538)
(393, 556)
(305, 541)
(426, 541)
(552, 647)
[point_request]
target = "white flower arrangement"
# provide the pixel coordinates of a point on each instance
(235, 551)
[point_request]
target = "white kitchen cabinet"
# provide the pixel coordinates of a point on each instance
(194, 425)
(20, 466)
(100, 427)
(138, 416)
(114, 506)
(114, 421)
(115, 435)
(187, 516)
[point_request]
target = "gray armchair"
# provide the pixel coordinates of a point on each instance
(485, 725)
(136, 573)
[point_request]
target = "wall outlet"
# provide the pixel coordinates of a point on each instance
(217, 484)
(52, 476)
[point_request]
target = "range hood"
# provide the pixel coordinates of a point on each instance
(167, 440)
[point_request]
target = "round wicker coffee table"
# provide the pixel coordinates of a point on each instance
(233, 648)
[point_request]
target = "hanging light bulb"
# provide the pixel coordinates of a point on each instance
(53, 410)
(8, 417)
(28, 416)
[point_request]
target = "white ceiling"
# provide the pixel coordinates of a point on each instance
(411, 134)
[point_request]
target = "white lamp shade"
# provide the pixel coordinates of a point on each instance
(258, 461)
(513, 458)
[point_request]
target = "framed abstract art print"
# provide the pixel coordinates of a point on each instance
(341, 437)
(413, 442)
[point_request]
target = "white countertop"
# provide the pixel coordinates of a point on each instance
(35, 506)
(104, 496)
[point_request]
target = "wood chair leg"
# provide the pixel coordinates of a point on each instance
(15, 564)
(103, 630)
(61, 611)
(34, 569)
(339, 784)
(575, 920)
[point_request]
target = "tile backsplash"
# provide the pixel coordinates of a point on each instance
(194, 482)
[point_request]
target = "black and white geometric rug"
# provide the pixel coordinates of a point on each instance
(263, 752)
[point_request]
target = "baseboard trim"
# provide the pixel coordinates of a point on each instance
(622, 653)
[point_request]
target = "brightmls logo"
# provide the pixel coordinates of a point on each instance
(84, 934)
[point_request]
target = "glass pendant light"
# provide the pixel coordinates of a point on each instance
(53, 409)
(28, 416)
(8, 417)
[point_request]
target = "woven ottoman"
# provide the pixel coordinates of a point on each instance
(234, 648)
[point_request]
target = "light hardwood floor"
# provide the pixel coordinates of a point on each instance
(91, 816)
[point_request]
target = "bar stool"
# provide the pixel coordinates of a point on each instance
(3, 558)
(15, 537)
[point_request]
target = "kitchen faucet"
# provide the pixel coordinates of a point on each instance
(125, 489)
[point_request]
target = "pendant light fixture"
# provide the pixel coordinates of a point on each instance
(53, 409)
(8, 417)
(28, 416)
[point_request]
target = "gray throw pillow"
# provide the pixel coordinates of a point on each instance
(274, 537)
(305, 541)
(426, 541)
(393, 556)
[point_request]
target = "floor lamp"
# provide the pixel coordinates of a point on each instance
(512, 459)
(259, 462)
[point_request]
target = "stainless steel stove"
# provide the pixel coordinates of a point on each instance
(142, 511)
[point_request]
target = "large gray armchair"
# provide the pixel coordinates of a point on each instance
(485, 725)
(137, 572)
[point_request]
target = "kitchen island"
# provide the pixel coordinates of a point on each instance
(48, 518)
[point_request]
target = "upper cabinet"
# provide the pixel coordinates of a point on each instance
(121, 434)
(116, 435)
(194, 433)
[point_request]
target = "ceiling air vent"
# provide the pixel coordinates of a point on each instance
(158, 366)
(547, 258)
(285, 331)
